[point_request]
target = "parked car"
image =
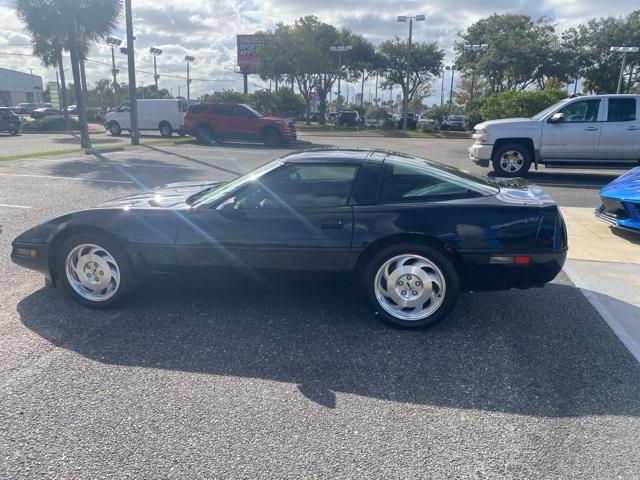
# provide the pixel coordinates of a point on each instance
(411, 121)
(24, 108)
(348, 118)
(163, 115)
(332, 116)
(9, 121)
(45, 112)
(587, 131)
(415, 232)
(72, 110)
(426, 123)
(453, 122)
(221, 121)
(621, 202)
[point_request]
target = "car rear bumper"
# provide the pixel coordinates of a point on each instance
(34, 256)
(482, 272)
(480, 154)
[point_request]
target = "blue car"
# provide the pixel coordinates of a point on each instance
(621, 202)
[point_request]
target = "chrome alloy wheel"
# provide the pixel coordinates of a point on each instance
(512, 161)
(410, 287)
(92, 272)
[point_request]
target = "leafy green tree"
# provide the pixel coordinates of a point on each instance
(426, 62)
(77, 23)
(226, 95)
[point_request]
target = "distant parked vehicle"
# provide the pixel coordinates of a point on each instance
(164, 115)
(332, 116)
(9, 121)
(426, 123)
(45, 112)
(588, 131)
(24, 108)
(453, 122)
(621, 202)
(411, 121)
(210, 122)
(348, 118)
(72, 110)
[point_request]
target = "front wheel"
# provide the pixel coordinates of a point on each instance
(512, 160)
(272, 138)
(13, 131)
(114, 128)
(165, 129)
(94, 270)
(411, 285)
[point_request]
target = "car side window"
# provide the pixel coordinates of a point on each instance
(299, 186)
(402, 182)
(581, 111)
(124, 107)
(621, 110)
(223, 110)
(239, 111)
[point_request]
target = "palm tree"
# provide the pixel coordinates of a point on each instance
(78, 23)
(50, 54)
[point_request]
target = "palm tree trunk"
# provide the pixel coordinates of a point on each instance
(83, 77)
(63, 89)
(85, 141)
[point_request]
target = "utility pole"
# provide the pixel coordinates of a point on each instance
(624, 51)
(405, 103)
(188, 59)
(131, 64)
(375, 99)
(113, 43)
(453, 71)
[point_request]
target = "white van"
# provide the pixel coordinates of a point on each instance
(166, 116)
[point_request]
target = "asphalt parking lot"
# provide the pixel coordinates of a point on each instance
(296, 378)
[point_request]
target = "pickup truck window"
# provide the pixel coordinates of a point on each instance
(582, 111)
(621, 110)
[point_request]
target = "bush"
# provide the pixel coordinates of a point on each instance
(519, 104)
(95, 115)
(50, 124)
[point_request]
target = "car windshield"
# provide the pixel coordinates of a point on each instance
(548, 110)
(455, 175)
(255, 112)
(209, 196)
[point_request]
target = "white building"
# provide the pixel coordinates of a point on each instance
(18, 87)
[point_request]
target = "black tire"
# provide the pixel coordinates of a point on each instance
(517, 161)
(114, 128)
(435, 255)
(13, 131)
(166, 130)
(127, 272)
(204, 134)
(271, 137)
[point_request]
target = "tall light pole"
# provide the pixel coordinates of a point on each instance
(155, 52)
(113, 43)
(131, 67)
(188, 59)
(340, 49)
(453, 71)
(478, 47)
(405, 103)
(624, 51)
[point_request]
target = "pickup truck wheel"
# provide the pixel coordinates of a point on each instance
(512, 160)
(114, 128)
(272, 138)
(165, 129)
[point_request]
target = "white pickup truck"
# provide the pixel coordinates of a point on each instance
(587, 131)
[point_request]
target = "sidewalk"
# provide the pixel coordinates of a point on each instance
(605, 264)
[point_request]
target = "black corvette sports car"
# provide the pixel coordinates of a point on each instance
(416, 232)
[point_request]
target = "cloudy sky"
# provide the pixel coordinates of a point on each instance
(206, 29)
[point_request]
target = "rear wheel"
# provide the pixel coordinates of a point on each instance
(94, 270)
(114, 128)
(165, 129)
(271, 137)
(411, 285)
(512, 160)
(204, 134)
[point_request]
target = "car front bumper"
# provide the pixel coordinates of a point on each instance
(631, 223)
(480, 154)
(34, 256)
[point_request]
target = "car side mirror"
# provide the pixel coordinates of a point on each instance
(557, 117)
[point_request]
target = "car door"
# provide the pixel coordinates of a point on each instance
(223, 121)
(620, 137)
(576, 135)
(296, 217)
(245, 122)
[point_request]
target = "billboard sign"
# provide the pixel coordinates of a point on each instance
(247, 47)
(54, 92)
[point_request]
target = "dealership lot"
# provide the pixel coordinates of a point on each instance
(273, 378)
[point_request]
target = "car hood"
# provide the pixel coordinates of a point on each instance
(511, 122)
(625, 187)
(172, 195)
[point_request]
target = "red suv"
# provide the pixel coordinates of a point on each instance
(220, 121)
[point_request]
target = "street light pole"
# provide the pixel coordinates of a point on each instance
(155, 52)
(131, 64)
(624, 51)
(405, 103)
(453, 71)
(188, 59)
(340, 49)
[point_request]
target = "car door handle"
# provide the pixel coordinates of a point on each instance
(633, 127)
(335, 225)
(591, 129)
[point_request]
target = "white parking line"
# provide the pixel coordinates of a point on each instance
(6, 205)
(63, 178)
